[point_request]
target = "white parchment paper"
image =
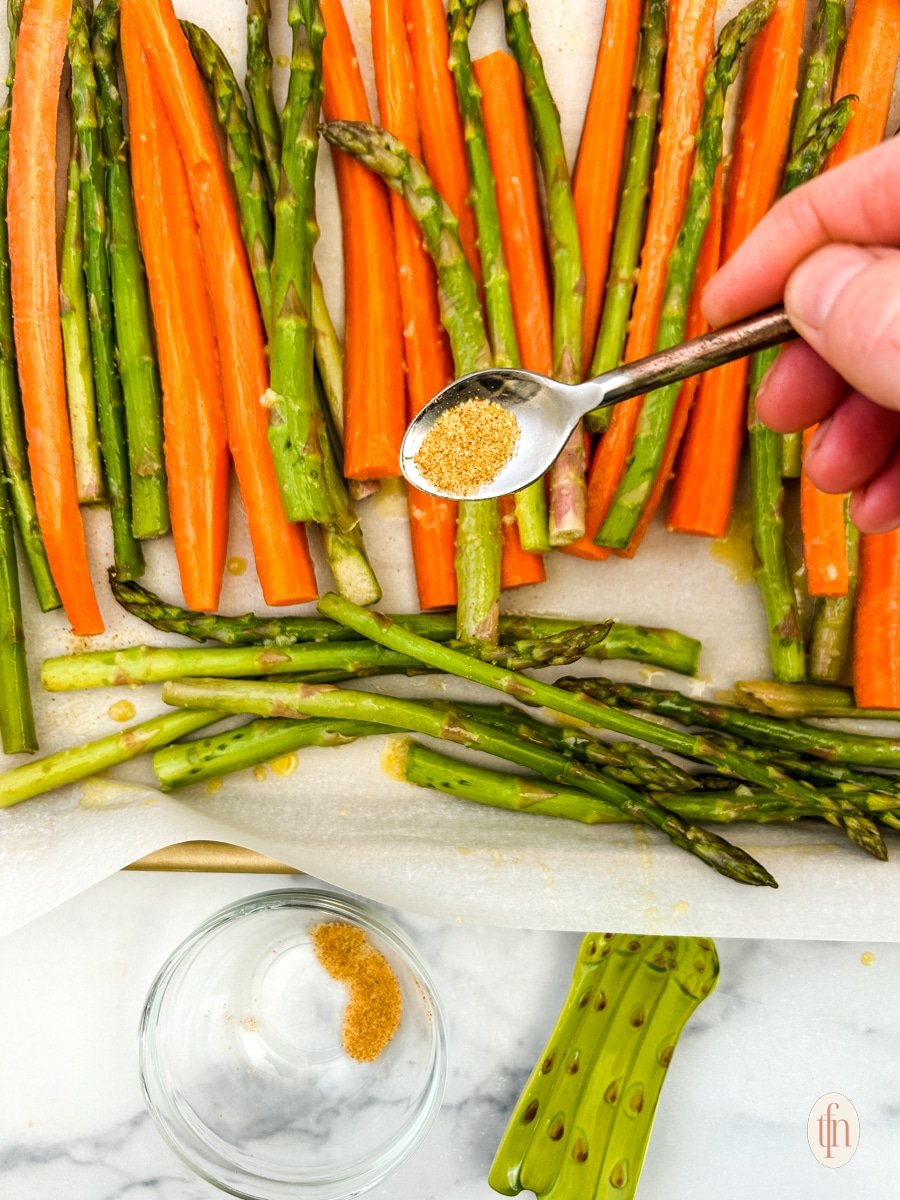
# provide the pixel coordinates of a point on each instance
(340, 816)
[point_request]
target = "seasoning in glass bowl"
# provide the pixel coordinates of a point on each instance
(468, 446)
(375, 1002)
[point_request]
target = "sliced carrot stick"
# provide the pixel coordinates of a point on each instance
(31, 215)
(443, 147)
(196, 447)
(374, 414)
(282, 558)
(518, 567)
(867, 70)
(707, 473)
(429, 366)
(691, 40)
(707, 265)
(598, 168)
(876, 645)
(519, 204)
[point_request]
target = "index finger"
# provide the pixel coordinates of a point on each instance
(855, 202)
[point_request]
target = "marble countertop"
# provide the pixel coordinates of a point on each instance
(789, 1022)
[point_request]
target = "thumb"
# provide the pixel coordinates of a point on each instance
(844, 301)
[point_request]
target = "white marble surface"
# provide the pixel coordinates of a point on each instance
(789, 1022)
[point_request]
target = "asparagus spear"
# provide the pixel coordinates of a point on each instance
(76, 336)
(248, 745)
(854, 749)
(12, 428)
(131, 303)
(531, 503)
(773, 574)
(582, 1123)
(92, 184)
(629, 234)
(660, 647)
(583, 706)
(656, 412)
(68, 766)
(259, 88)
(301, 700)
(478, 526)
(833, 618)
(568, 494)
(152, 664)
(17, 732)
(800, 700)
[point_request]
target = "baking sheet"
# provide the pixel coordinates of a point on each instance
(340, 817)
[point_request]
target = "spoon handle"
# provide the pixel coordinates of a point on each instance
(700, 354)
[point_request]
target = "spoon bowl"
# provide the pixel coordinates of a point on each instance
(547, 411)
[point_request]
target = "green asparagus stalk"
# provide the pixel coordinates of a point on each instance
(854, 749)
(568, 493)
(659, 647)
(259, 88)
(833, 619)
(531, 503)
(300, 700)
(153, 664)
(802, 700)
(656, 412)
(92, 185)
(17, 731)
(582, 706)
(139, 373)
(813, 97)
(249, 745)
(629, 234)
(773, 574)
(478, 526)
(42, 775)
(582, 1123)
(14, 457)
(76, 337)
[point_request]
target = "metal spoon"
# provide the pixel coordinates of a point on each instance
(548, 411)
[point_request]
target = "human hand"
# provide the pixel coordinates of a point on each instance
(831, 249)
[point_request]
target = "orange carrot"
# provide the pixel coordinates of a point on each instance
(691, 40)
(707, 473)
(197, 464)
(518, 200)
(374, 415)
(598, 168)
(876, 646)
(443, 147)
(282, 558)
(429, 366)
(867, 70)
(707, 265)
(31, 215)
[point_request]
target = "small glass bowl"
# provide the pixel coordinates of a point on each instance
(242, 1065)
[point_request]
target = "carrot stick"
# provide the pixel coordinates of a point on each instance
(443, 148)
(518, 200)
(707, 265)
(867, 71)
(707, 473)
(691, 40)
(31, 215)
(876, 667)
(598, 168)
(196, 447)
(426, 353)
(518, 567)
(374, 414)
(282, 558)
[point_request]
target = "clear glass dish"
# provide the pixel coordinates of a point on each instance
(242, 1065)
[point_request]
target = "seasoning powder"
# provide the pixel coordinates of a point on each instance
(468, 446)
(375, 1002)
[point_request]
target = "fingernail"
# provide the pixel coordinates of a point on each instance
(815, 287)
(815, 442)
